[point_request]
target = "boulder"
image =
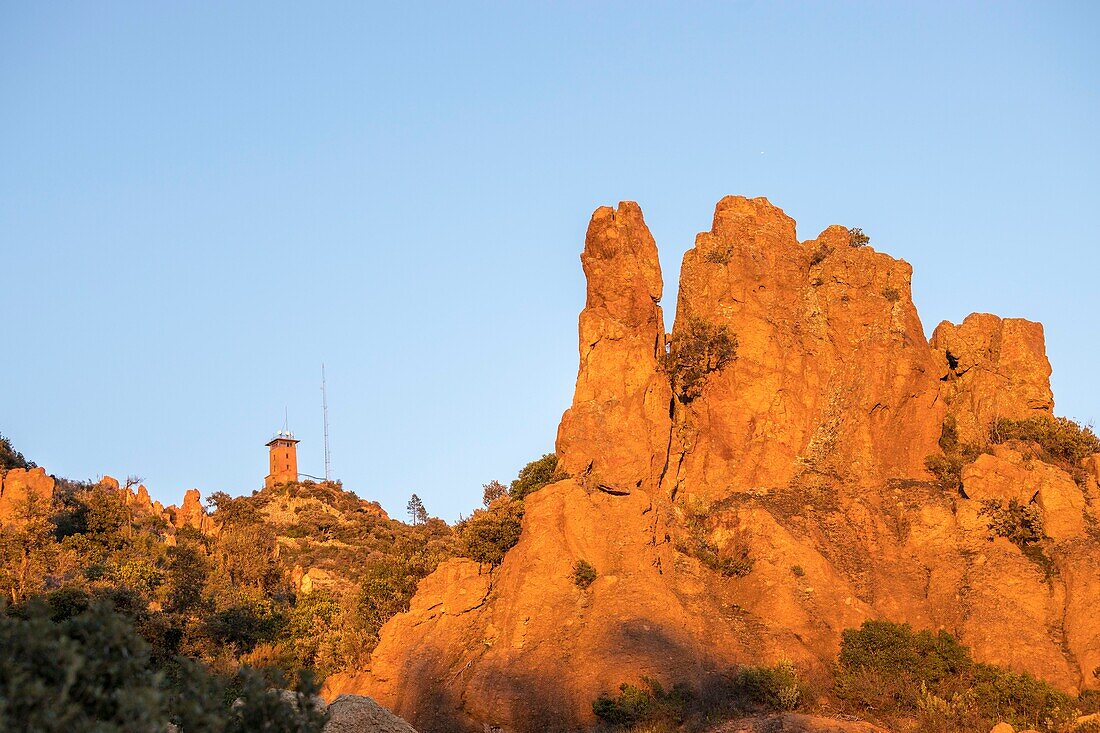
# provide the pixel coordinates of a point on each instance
(995, 367)
(359, 714)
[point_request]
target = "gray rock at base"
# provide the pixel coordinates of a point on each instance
(358, 714)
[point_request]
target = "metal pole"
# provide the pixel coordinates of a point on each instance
(324, 408)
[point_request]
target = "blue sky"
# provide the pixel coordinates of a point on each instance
(201, 202)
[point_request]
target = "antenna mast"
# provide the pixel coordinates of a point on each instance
(324, 409)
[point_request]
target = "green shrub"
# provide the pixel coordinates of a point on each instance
(1022, 525)
(488, 534)
(797, 571)
(583, 574)
(769, 688)
(534, 476)
(701, 349)
(1062, 441)
(649, 703)
(856, 237)
(896, 674)
(891, 294)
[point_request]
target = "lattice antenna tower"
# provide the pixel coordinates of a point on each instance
(324, 410)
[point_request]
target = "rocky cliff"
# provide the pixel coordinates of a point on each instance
(756, 484)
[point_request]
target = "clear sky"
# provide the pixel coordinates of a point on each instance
(201, 202)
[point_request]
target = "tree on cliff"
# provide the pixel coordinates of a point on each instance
(417, 513)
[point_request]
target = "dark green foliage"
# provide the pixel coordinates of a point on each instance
(894, 673)
(10, 457)
(67, 676)
(487, 535)
(797, 571)
(702, 348)
(766, 688)
(820, 254)
(891, 294)
(583, 574)
(1019, 524)
(649, 703)
(856, 237)
(740, 691)
(534, 476)
(386, 590)
(91, 672)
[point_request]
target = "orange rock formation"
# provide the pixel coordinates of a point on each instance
(806, 451)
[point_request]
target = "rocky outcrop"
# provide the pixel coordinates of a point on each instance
(832, 376)
(191, 513)
(996, 367)
(779, 497)
(20, 484)
(617, 431)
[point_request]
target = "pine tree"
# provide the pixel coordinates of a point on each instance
(417, 513)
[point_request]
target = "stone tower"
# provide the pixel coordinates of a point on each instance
(283, 465)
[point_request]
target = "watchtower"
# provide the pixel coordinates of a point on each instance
(283, 466)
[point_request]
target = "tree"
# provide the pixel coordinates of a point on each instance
(490, 533)
(492, 491)
(534, 476)
(417, 513)
(27, 549)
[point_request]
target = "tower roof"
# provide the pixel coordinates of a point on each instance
(283, 436)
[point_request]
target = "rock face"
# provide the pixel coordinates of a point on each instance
(754, 516)
(19, 484)
(833, 374)
(997, 367)
(617, 431)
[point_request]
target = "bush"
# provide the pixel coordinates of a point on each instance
(1062, 441)
(583, 574)
(856, 237)
(534, 476)
(91, 671)
(701, 349)
(898, 674)
(1019, 524)
(490, 533)
(891, 294)
(647, 704)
